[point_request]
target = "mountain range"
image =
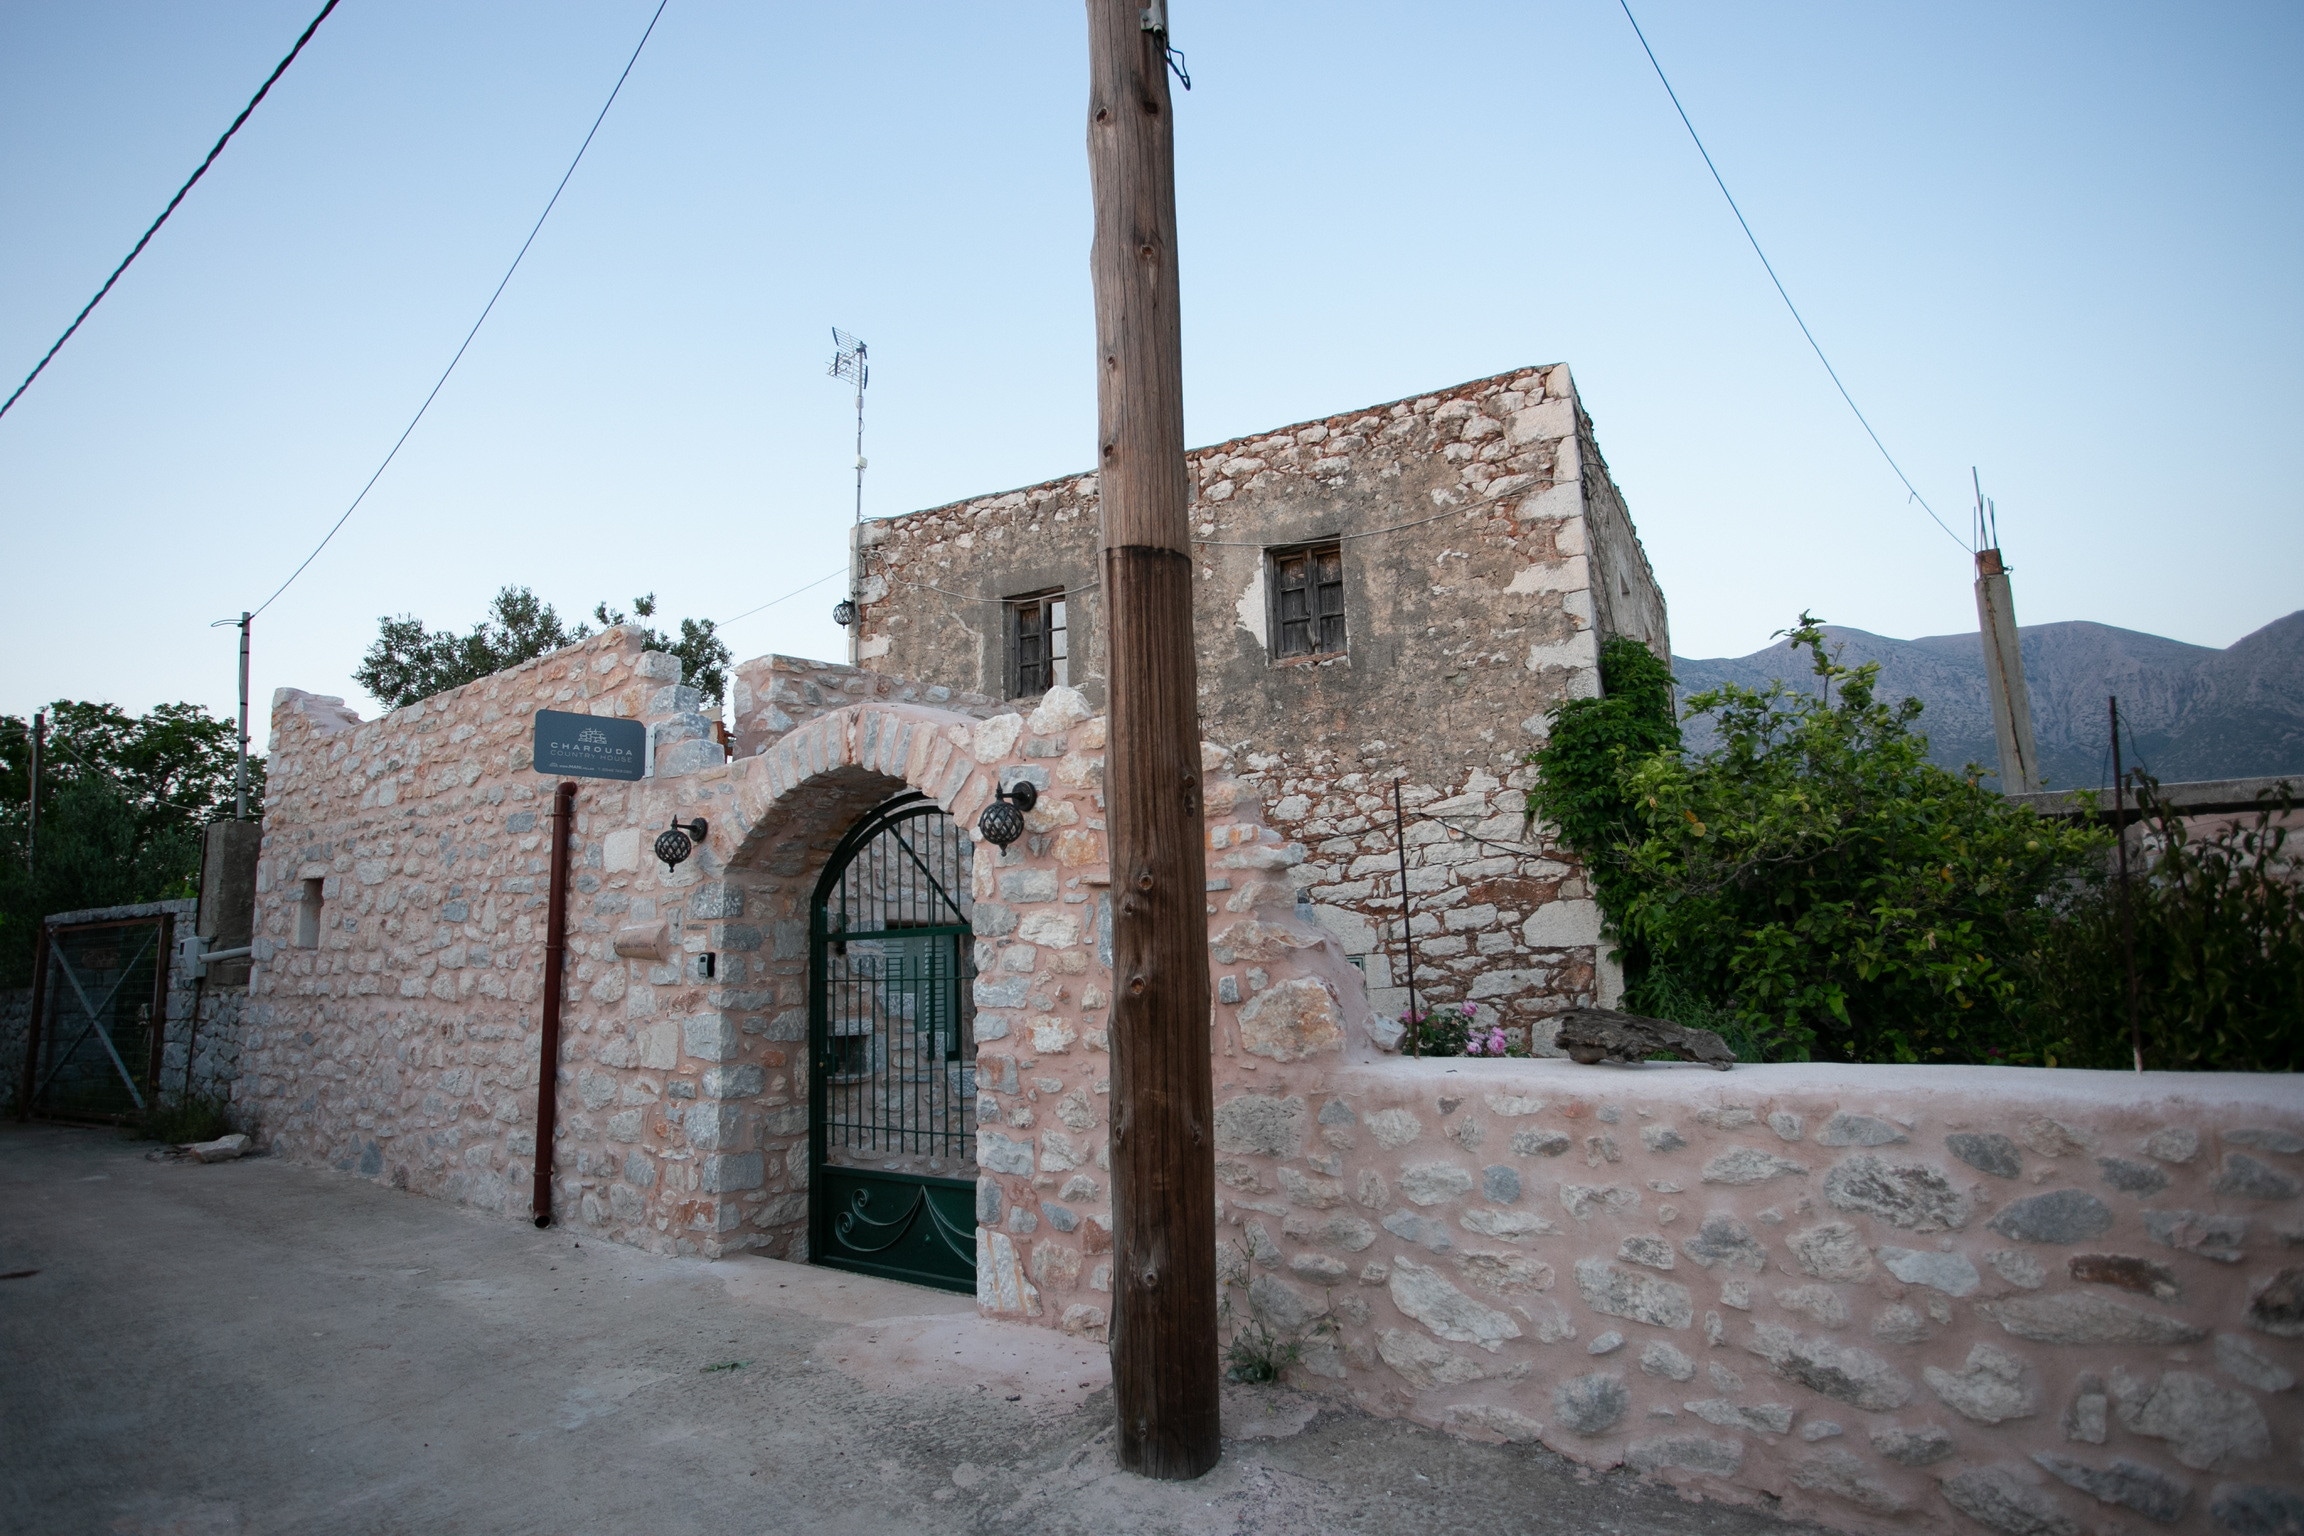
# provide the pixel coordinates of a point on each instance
(2187, 712)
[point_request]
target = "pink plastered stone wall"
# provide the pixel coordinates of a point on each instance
(1953, 1299)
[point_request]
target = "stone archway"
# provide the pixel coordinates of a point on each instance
(1042, 991)
(776, 819)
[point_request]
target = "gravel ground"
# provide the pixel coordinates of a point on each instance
(257, 1347)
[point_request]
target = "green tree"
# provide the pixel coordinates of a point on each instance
(2218, 932)
(122, 800)
(1818, 881)
(1581, 770)
(410, 662)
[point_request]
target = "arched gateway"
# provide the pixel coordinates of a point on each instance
(892, 1075)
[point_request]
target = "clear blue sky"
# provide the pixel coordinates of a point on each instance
(2059, 242)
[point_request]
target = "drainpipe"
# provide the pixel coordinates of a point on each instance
(548, 1049)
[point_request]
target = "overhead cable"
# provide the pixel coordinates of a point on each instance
(484, 313)
(278, 70)
(1779, 282)
(795, 592)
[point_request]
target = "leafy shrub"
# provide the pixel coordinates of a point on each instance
(1815, 885)
(1440, 1030)
(193, 1119)
(2219, 953)
(1256, 1355)
(1580, 784)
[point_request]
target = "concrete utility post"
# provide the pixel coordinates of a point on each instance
(32, 804)
(240, 782)
(2004, 675)
(1164, 1367)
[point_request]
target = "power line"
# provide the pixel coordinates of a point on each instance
(205, 802)
(772, 602)
(1455, 831)
(484, 313)
(1779, 282)
(278, 71)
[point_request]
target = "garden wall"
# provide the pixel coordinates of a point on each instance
(1950, 1298)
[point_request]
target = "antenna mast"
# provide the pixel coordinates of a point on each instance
(851, 361)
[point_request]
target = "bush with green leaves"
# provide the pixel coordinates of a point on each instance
(2218, 928)
(1815, 881)
(122, 800)
(410, 662)
(1582, 769)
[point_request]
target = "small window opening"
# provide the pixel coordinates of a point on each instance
(308, 916)
(1038, 646)
(1308, 601)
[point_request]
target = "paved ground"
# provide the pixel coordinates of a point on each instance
(255, 1347)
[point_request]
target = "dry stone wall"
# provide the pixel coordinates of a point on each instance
(1952, 1299)
(401, 1045)
(1486, 552)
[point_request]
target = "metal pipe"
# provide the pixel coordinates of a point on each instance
(32, 1024)
(157, 1046)
(1407, 939)
(548, 1048)
(32, 829)
(2127, 918)
(192, 1033)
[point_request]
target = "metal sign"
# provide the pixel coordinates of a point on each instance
(589, 746)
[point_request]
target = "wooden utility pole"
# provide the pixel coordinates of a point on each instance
(1164, 1366)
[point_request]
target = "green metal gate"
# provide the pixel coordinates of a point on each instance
(892, 1053)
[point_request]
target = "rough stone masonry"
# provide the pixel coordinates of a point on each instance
(1888, 1298)
(1891, 1298)
(1483, 553)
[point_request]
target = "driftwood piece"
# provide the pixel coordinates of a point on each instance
(1592, 1035)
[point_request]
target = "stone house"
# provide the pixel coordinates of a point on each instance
(1395, 594)
(846, 1030)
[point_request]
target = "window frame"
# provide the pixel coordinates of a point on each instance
(1315, 616)
(1051, 607)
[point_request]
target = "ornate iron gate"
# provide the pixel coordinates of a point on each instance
(892, 1053)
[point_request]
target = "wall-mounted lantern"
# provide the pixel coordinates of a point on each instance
(844, 613)
(1003, 820)
(675, 844)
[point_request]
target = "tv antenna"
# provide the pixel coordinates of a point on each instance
(851, 360)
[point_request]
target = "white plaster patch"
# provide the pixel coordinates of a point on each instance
(1563, 925)
(1251, 607)
(1577, 651)
(1552, 576)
